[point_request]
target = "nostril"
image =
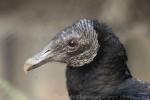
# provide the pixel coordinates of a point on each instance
(47, 51)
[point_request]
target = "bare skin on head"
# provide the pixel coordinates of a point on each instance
(76, 45)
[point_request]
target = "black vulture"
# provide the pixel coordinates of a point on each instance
(96, 63)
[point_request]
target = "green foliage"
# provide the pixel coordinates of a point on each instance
(13, 93)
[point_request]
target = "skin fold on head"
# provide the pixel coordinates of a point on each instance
(76, 46)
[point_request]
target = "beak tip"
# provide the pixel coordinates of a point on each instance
(27, 68)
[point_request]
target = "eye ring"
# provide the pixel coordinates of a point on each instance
(73, 43)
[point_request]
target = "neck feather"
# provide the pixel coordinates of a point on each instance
(107, 69)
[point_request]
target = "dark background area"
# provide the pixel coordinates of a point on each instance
(26, 26)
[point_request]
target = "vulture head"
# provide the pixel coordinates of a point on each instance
(76, 46)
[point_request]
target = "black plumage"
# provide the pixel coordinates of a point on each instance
(96, 63)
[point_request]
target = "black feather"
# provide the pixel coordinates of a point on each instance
(107, 76)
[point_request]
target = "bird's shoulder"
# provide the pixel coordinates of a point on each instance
(135, 87)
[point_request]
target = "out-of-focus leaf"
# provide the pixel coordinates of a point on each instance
(13, 93)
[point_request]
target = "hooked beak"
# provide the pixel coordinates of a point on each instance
(39, 59)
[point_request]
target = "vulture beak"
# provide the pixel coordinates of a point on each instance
(39, 59)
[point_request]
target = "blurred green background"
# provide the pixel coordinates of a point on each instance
(26, 26)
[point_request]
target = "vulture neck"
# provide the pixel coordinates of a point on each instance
(104, 73)
(111, 59)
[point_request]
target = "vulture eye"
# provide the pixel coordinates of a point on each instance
(73, 43)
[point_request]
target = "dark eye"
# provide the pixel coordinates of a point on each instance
(73, 43)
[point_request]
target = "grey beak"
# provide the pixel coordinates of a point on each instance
(39, 59)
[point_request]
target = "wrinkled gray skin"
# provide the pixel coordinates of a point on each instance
(83, 51)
